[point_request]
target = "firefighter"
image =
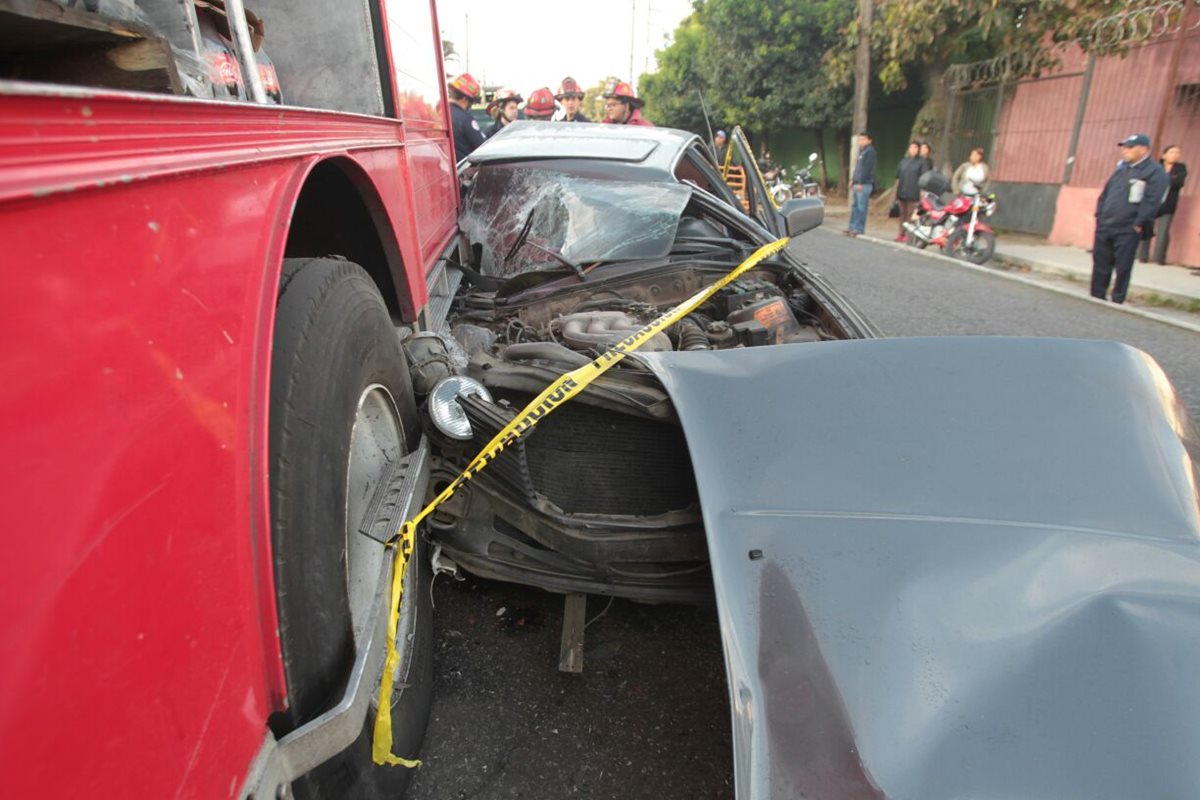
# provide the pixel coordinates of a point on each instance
(503, 109)
(569, 97)
(464, 91)
(540, 105)
(622, 106)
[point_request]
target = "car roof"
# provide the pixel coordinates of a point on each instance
(652, 149)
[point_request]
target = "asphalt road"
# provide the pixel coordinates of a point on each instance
(649, 716)
(909, 294)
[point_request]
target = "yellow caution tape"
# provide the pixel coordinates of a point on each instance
(557, 393)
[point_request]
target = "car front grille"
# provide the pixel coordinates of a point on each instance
(589, 460)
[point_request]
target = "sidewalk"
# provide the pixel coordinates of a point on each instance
(1151, 284)
(1180, 285)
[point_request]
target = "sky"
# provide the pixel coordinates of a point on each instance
(537, 43)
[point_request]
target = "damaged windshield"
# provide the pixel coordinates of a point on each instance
(530, 218)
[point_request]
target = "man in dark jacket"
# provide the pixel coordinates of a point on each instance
(908, 188)
(1124, 214)
(464, 91)
(862, 182)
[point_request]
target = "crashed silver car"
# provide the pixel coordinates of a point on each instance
(579, 236)
(944, 568)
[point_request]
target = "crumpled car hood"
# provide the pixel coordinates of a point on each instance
(951, 568)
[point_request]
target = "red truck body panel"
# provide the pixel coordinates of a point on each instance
(142, 241)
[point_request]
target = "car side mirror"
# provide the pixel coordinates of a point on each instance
(801, 214)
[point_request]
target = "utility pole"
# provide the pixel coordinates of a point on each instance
(646, 55)
(862, 87)
(632, 37)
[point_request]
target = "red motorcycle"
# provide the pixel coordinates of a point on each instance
(957, 227)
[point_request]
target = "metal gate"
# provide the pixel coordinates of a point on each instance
(972, 118)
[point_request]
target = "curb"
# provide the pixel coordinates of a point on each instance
(1050, 269)
(1123, 307)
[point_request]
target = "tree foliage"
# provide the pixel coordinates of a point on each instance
(758, 63)
(924, 37)
(672, 91)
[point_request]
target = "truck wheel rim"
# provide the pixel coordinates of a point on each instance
(376, 440)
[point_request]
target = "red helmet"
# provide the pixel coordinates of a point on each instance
(621, 90)
(568, 88)
(501, 97)
(540, 105)
(467, 86)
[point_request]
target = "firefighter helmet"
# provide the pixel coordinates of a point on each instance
(568, 88)
(467, 86)
(501, 97)
(620, 90)
(540, 104)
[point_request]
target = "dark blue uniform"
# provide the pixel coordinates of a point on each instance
(467, 135)
(1129, 200)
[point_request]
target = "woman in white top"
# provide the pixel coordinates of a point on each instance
(973, 175)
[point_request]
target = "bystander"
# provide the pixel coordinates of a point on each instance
(1125, 213)
(1177, 173)
(861, 184)
(908, 189)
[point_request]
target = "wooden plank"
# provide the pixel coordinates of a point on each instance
(570, 656)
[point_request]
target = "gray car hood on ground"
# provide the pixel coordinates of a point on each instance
(951, 568)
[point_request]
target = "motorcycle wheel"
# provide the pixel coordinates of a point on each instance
(982, 247)
(912, 240)
(781, 194)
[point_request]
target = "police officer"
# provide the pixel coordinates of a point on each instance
(503, 109)
(1124, 214)
(569, 96)
(622, 106)
(464, 91)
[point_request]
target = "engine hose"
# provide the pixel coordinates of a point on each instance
(604, 302)
(691, 335)
(545, 351)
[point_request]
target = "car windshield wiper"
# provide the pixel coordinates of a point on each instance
(561, 259)
(527, 280)
(523, 239)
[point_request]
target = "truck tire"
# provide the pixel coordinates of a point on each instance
(341, 407)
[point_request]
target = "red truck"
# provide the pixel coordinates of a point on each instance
(209, 257)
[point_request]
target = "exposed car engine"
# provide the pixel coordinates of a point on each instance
(602, 494)
(570, 325)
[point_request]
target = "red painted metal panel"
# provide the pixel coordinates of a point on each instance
(1127, 97)
(143, 237)
(1035, 130)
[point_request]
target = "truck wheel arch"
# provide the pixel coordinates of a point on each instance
(338, 212)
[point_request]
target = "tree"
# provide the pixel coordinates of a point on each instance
(763, 59)
(924, 37)
(758, 63)
(672, 91)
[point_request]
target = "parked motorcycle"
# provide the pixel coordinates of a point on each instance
(805, 180)
(804, 185)
(781, 190)
(957, 227)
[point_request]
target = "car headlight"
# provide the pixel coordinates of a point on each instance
(446, 412)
